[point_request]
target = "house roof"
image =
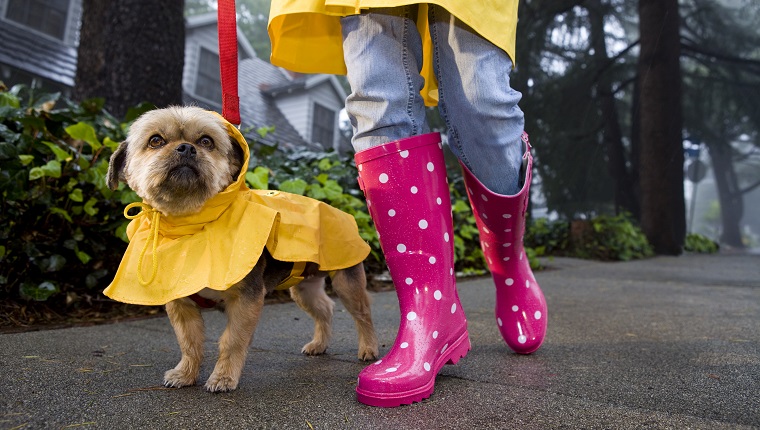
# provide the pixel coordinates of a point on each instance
(258, 109)
(210, 20)
(303, 83)
(39, 55)
(52, 59)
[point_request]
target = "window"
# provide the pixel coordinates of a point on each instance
(208, 83)
(46, 16)
(323, 126)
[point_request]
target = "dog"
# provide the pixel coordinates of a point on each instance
(177, 160)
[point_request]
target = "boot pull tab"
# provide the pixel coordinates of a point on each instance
(361, 183)
(528, 147)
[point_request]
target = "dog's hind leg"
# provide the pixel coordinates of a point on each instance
(351, 287)
(187, 322)
(243, 310)
(311, 297)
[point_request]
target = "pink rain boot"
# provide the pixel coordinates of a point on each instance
(520, 305)
(408, 198)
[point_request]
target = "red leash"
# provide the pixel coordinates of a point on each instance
(228, 60)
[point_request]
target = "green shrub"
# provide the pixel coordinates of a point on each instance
(62, 230)
(602, 238)
(547, 237)
(611, 238)
(701, 244)
(58, 217)
(468, 256)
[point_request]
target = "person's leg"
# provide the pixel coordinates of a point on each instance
(403, 176)
(485, 129)
(383, 55)
(484, 122)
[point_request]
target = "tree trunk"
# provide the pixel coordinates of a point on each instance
(731, 199)
(131, 51)
(636, 147)
(663, 211)
(625, 197)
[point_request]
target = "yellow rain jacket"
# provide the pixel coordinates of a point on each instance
(172, 257)
(306, 35)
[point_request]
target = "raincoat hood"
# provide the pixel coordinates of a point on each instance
(172, 257)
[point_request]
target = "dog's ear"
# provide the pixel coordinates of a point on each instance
(236, 156)
(116, 166)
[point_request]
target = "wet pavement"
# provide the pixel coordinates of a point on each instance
(667, 342)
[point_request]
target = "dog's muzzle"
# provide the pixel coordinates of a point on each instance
(186, 150)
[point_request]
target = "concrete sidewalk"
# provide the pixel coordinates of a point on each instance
(659, 343)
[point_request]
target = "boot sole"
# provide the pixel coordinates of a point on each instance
(454, 353)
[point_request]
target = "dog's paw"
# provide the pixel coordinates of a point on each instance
(176, 379)
(220, 384)
(314, 348)
(368, 353)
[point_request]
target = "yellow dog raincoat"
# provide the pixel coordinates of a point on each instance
(173, 257)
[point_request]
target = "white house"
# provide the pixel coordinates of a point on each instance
(303, 109)
(39, 40)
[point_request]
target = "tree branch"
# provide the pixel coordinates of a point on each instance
(726, 58)
(749, 188)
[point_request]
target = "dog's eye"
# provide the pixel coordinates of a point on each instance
(206, 142)
(156, 141)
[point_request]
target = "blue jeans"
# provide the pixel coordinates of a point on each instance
(383, 55)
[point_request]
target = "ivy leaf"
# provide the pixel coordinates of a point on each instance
(49, 99)
(295, 186)
(83, 162)
(85, 132)
(121, 232)
(89, 207)
(8, 99)
(316, 191)
(26, 159)
(259, 178)
(40, 292)
(460, 206)
(83, 257)
(36, 173)
(76, 195)
(263, 131)
(7, 150)
(51, 169)
(53, 264)
(128, 196)
(110, 144)
(332, 190)
(62, 212)
(78, 235)
(324, 164)
(322, 178)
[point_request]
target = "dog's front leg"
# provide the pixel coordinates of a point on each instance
(243, 311)
(187, 322)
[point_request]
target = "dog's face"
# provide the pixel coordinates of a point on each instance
(176, 159)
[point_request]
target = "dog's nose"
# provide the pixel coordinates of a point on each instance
(186, 150)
